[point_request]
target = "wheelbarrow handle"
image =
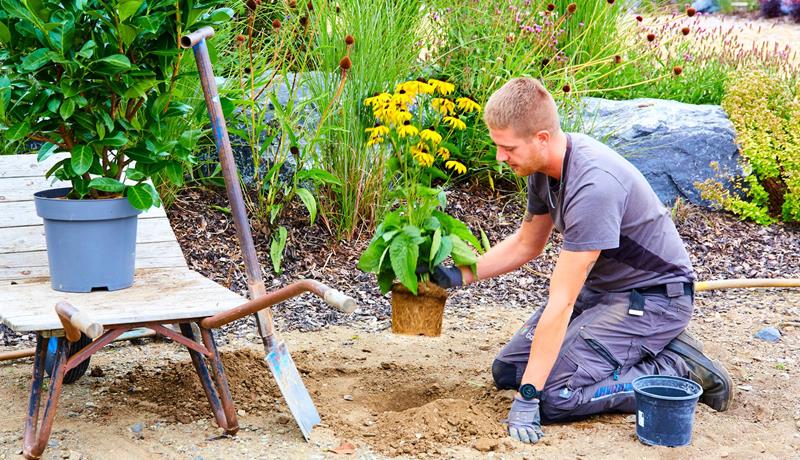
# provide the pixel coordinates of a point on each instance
(331, 296)
(76, 321)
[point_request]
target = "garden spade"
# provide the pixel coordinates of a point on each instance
(280, 363)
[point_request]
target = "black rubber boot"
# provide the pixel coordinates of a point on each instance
(711, 375)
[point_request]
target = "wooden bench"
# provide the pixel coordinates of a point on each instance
(165, 291)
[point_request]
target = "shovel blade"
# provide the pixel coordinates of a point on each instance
(292, 388)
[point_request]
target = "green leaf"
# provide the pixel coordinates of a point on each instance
(385, 280)
(128, 8)
(46, 150)
(116, 62)
(117, 140)
(107, 184)
(444, 251)
(82, 158)
(403, 253)
(462, 253)
(485, 241)
(128, 34)
(134, 174)
(67, 108)
(35, 60)
(153, 194)
(436, 243)
(308, 200)
(5, 34)
(220, 15)
(370, 259)
(318, 175)
(87, 50)
(174, 172)
(18, 131)
(80, 186)
(276, 249)
(53, 104)
(456, 227)
(139, 197)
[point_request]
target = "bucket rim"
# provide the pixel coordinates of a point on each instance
(57, 195)
(637, 382)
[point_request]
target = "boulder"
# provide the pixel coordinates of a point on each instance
(673, 144)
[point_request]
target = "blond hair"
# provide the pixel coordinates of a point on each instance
(524, 105)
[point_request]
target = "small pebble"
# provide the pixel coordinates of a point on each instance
(348, 397)
(241, 412)
(52, 443)
(746, 387)
(769, 334)
(137, 427)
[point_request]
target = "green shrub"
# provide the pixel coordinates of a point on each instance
(765, 111)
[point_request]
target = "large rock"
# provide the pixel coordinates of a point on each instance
(673, 144)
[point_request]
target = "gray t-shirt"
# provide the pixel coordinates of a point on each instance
(604, 203)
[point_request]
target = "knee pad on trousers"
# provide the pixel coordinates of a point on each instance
(504, 375)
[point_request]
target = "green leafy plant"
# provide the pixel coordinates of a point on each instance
(95, 79)
(414, 126)
(276, 248)
(765, 112)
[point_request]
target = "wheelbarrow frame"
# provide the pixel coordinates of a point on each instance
(205, 355)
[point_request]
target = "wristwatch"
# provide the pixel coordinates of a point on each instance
(529, 392)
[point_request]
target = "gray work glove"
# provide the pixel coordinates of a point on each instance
(524, 422)
(444, 276)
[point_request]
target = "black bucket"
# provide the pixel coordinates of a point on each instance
(665, 408)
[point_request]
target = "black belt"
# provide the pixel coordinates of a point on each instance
(636, 307)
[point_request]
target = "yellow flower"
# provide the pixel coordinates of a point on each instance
(377, 100)
(406, 130)
(455, 123)
(420, 153)
(456, 166)
(443, 106)
(403, 98)
(468, 105)
(442, 87)
(399, 117)
(374, 140)
(385, 113)
(379, 130)
(444, 153)
(430, 135)
(415, 87)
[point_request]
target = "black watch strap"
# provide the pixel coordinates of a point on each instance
(528, 392)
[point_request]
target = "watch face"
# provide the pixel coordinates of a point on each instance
(528, 391)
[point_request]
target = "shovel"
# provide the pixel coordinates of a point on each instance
(280, 363)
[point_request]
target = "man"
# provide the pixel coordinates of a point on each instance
(622, 289)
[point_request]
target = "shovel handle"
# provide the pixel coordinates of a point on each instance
(340, 301)
(76, 321)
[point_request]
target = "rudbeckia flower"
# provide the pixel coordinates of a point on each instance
(443, 106)
(403, 97)
(374, 140)
(399, 117)
(422, 156)
(442, 87)
(468, 105)
(456, 166)
(415, 87)
(377, 100)
(430, 135)
(455, 123)
(407, 129)
(444, 153)
(379, 130)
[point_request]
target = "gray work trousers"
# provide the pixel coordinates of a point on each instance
(607, 346)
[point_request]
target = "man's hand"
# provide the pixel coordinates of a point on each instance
(524, 421)
(444, 276)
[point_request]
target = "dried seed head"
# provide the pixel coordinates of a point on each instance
(651, 37)
(618, 59)
(545, 61)
(550, 7)
(571, 8)
(294, 150)
(509, 38)
(566, 88)
(639, 18)
(240, 38)
(345, 63)
(304, 21)
(685, 31)
(252, 4)
(677, 70)
(690, 11)
(292, 4)
(276, 24)
(310, 6)
(349, 40)
(338, 10)
(610, 2)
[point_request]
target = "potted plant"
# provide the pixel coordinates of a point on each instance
(414, 128)
(93, 81)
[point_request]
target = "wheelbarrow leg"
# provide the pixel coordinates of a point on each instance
(35, 436)
(217, 390)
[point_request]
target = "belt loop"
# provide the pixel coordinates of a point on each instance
(675, 289)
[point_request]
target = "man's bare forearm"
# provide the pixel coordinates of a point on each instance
(513, 252)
